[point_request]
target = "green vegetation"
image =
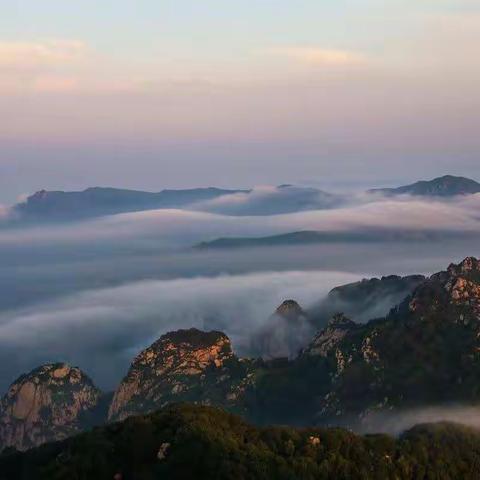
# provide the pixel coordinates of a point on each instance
(193, 442)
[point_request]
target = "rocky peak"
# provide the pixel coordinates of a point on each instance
(290, 310)
(446, 186)
(284, 334)
(40, 195)
(195, 340)
(186, 351)
(340, 322)
(181, 365)
(329, 338)
(454, 293)
(468, 266)
(47, 404)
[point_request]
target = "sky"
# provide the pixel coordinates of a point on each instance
(179, 93)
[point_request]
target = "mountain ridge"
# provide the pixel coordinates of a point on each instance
(92, 202)
(312, 237)
(97, 201)
(51, 402)
(445, 186)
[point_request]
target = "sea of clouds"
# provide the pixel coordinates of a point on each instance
(96, 292)
(102, 329)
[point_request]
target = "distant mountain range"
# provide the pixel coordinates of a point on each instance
(308, 237)
(294, 238)
(97, 201)
(446, 186)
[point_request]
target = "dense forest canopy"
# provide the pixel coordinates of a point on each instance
(187, 441)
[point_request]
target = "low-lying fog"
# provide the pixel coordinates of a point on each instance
(396, 422)
(94, 293)
(103, 329)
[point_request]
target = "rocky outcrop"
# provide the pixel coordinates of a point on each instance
(453, 295)
(186, 365)
(331, 336)
(50, 403)
(284, 334)
(290, 310)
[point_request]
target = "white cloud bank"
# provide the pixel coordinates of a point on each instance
(314, 55)
(396, 422)
(102, 330)
(182, 228)
(36, 54)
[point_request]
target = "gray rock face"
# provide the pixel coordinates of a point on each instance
(47, 404)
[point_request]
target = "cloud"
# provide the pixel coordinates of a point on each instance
(270, 200)
(111, 325)
(396, 422)
(4, 211)
(6, 215)
(50, 66)
(49, 262)
(400, 214)
(61, 66)
(320, 56)
(176, 228)
(31, 55)
(442, 50)
(51, 83)
(118, 282)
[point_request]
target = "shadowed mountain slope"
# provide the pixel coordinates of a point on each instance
(185, 442)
